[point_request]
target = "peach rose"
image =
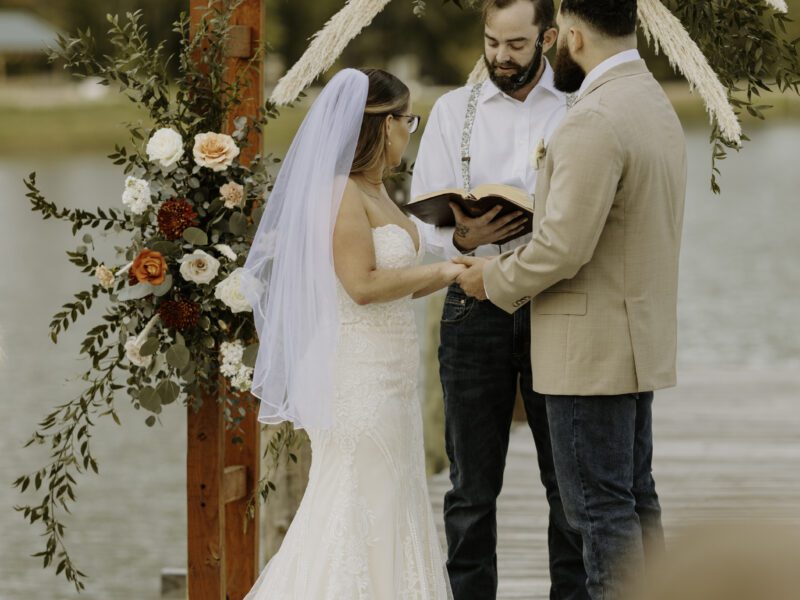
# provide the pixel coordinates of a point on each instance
(150, 267)
(214, 151)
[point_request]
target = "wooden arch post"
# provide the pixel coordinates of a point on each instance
(221, 475)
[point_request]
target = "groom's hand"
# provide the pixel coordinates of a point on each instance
(486, 229)
(471, 280)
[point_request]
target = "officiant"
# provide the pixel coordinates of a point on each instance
(493, 133)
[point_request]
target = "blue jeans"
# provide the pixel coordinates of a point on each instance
(603, 449)
(484, 352)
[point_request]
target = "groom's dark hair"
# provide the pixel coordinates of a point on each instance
(614, 18)
(544, 11)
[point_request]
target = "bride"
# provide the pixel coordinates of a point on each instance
(330, 276)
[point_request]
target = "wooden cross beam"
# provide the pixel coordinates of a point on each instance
(221, 475)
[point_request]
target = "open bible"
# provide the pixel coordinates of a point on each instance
(434, 208)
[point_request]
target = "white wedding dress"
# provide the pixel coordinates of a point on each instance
(365, 527)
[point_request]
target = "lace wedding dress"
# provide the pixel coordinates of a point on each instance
(365, 528)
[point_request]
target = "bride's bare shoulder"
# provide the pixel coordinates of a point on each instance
(353, 205)
(353, 196)
(352, 190)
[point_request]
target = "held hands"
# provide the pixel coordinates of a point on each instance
(451, 270)
(471, 280)
(471, 233)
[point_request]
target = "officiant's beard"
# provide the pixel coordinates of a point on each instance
(523, 75)
(568, 75)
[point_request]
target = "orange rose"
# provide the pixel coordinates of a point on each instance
(149, 267)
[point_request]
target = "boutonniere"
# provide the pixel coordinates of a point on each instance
(538, 156)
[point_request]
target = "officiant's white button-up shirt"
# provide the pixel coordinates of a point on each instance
(504, 140)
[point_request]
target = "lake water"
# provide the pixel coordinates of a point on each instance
(738, 308)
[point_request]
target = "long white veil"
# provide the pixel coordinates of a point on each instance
(289, 277)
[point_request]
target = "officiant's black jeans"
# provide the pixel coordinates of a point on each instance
(603, 449)
(484, 352)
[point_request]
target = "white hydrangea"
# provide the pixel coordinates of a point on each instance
(243, 380)
(226, 251)
(137, 196)
(165, 146)
(230, 357)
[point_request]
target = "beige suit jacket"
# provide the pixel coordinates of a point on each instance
(602, 268)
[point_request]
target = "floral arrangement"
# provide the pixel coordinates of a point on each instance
(176, 326)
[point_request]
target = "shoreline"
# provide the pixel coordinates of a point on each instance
(83, 118)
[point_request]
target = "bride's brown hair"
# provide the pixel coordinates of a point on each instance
(387, 95)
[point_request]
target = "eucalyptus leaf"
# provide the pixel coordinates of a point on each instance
(166, 248)
(249, 356)
(150, 347)
(163, 288)
(169, 391)
(215, 205)
(195, 236)
(189, 374)
(150, 399)
(135, 292)
(257, 213)
(178, 356)
(237, 224)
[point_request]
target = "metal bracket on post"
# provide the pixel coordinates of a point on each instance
(240, 42)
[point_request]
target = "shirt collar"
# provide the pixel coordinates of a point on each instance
(605, 66)
(490, 90)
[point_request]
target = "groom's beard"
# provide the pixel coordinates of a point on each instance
(568, 75)
(521, 77)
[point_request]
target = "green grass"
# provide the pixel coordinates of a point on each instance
(67, 129)
(96, 127)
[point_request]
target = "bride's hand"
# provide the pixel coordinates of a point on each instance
(450, 270)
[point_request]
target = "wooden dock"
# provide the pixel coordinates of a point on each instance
(727, 446)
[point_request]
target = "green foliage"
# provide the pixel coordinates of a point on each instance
(145, 344)
(749, 47)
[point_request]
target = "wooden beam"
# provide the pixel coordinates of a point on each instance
(221, 474)
(206, 513)
(242, 531)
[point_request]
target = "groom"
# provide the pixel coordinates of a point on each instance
(601, 272)
(476, 135)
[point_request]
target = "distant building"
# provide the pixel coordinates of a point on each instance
(23, 36)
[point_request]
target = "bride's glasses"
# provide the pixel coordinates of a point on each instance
(413, 121)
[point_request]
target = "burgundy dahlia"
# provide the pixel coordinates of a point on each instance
(174, 216)
(179, 314)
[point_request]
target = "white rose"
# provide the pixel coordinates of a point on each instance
(214, 151)
(199, 267)
(226, 251)
(137, 196)
(165, 146)
(233, 194)
(133, 352)
(230, 293)
(105, 276)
